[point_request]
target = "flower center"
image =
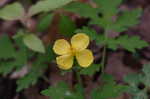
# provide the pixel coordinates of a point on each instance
(73, 51)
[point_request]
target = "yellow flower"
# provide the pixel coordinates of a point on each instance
(77, 48)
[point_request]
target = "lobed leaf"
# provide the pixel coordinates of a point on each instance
(57, 92)
(131, 43)
(128, 43)
(90, 32)
(83, 9)
(66, 26)
(44, 22)
(127, 19)
(108, 8)
(7, 49)
(36, 71)
(16, 60)
(62, 91)
(109, 90)
(135, 82)
(90, 70)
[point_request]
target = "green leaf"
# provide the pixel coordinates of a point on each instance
(33, 43)
(146, 69)
(107, 78)
(16, 61)
(135, 82)
(90, 32)
(6, 49)
(141, 95)
(107, 7)
(102, 22)
(100, 40)
(62, 91)
(12, 11)
(36, 71)
(57, 92)
(109, 90)
(21, 54)
(112, 43)
(131, 43)
(24, 82)
(146, 79)
(122, 22)
(82, 9)
(133, 79)
(6, 67)
(66, 26)
(128, 43)
(90, 70)
(46, 5)
(77, 93)
(126, 20)
(44, 22)
(32, 77)
(106, 4)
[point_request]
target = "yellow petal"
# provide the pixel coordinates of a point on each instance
(85, 58)
(61, 47)
(80, 41)
(64, 62)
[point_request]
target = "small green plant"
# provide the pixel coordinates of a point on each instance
(109, 89)
(27, 49)
(62, 90)
(139, 83)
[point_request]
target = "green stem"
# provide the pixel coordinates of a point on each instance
(103, 58)
(104, 52)
(46, 79)
(78, 77)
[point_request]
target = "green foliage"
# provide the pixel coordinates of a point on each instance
(128, 43)
(139, 83)
(34, 43)
(90, 70)
(90, 32)
(32, 77)
(44, 22)
(66, 26)
(36, 70)
(7, 50)
(131, 43)
(78, 92)
(10, 58)
(127, 19)
(15, 59)
(109, 89)
(124, 41)
(108, 8)
(57, 92)
(62, 91)
(82, 9)
(46, 5)
(12, 11)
